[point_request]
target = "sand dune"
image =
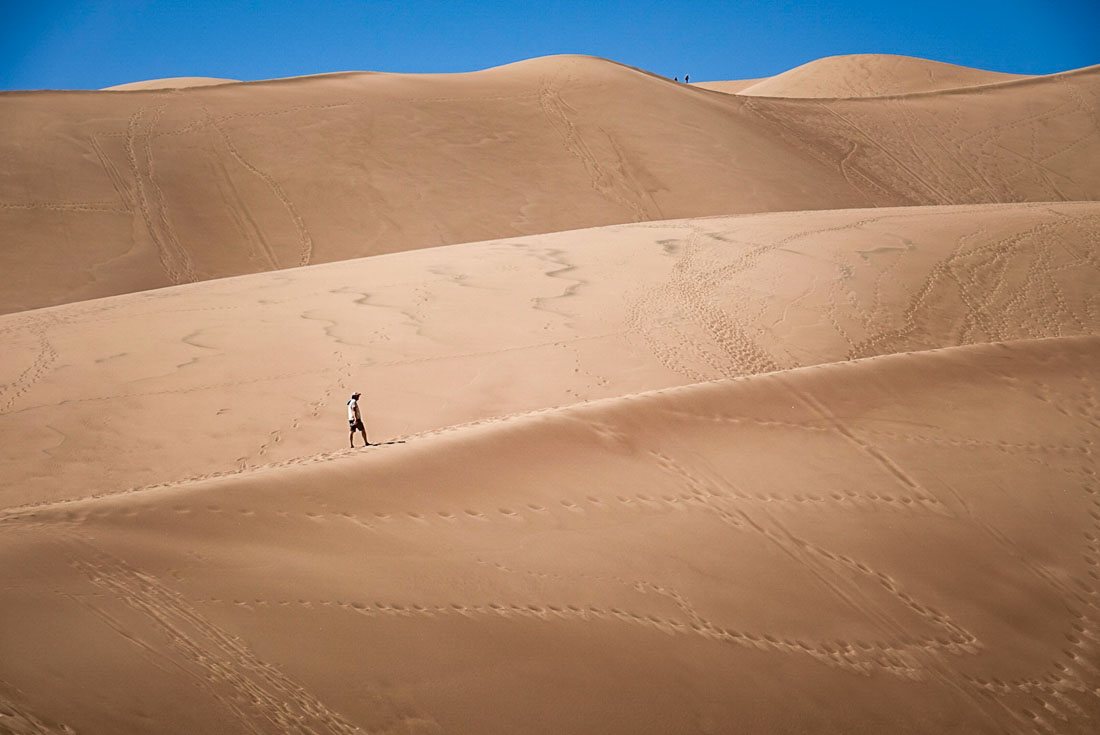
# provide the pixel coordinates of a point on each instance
(105, 193)
(864, 75)
(729, 86)
(703, 413)
(206, 378)
(654, 563)
(169, 83)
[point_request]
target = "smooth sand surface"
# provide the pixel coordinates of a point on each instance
(170, 83)
(213, 377)
(106, 193)
(869, 546)
(864, 75)
(729, 86)
(820, 471)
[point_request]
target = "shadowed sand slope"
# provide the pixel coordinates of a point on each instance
(902, 544)
(864, 75)
(102, 396)
(104, 193)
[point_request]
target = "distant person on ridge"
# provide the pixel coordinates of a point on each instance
(687, 79)
(355, 421)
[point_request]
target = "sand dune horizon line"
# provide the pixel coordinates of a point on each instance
(222, 180)
(159, 84)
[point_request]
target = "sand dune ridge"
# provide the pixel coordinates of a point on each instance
(866, 75)
(887, 619)
(217, 181)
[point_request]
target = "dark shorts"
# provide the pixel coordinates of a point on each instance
(353, 425)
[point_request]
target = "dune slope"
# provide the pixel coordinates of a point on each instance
(169, 83)
(903, 543)
(135, 390)
(865, 75)
(105, 193)
(695, 412)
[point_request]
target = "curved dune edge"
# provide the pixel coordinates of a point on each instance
(925, 560)
(121, 193)
(865, 75)
(210, 377)
(169, 83)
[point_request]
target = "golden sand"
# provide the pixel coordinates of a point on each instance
(698, 411)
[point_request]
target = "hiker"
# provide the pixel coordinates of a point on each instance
(355, 421)
(687, 79)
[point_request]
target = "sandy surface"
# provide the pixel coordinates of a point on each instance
(821, 471)
(103, 194)
(237, 372)
(882, 544)
(864, 75)
(170, 83)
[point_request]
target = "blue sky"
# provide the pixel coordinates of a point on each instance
(71, 45)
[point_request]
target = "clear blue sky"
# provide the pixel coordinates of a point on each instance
(87, 45)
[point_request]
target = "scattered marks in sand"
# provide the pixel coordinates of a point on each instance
(256, 692)
(43, 361)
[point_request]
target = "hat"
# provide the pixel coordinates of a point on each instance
(355, 395)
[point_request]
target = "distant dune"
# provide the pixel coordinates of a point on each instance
(766, 412)
(109, 193)
(864, 75)
(730, 86)
(169, 83)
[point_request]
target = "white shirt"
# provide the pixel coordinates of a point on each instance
(353, 410)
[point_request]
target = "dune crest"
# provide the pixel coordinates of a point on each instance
(169, 83)
(451, 335)
(176, 187)
(864, 75)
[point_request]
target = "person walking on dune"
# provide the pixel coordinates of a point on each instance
(355, 421)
